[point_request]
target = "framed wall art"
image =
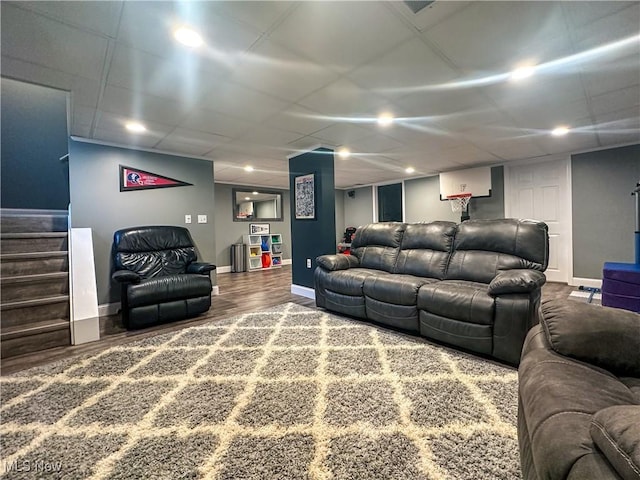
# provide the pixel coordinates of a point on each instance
(305, 197)
(258, 228)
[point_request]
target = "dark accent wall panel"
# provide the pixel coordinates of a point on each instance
(34, 137)
(603, 208)
(312, 238)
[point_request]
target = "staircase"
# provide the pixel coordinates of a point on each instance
(34, 281)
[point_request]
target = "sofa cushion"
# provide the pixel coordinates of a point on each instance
(167, 288)
(604, 336)
(425, 249)
(459, 300)
(397, 289)
(377, 245)
(616, 432)
(482, 248)
(348, 282)
(474, 337)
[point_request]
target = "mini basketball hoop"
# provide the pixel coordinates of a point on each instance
(460, 201)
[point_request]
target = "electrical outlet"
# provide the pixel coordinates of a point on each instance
(202, 219)
(187, 219)
(308, 263)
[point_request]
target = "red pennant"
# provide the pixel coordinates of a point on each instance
(136, 179)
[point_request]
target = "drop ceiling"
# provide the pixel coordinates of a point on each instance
(274, 78)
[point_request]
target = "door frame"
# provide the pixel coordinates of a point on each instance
(568, 199)
(374, 199)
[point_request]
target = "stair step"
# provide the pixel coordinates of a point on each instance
(31, 263)
(26, 287)
(23, 312)
(34, 303)
(33, 328)
(34, 337)
(33, 242)
(20, 221)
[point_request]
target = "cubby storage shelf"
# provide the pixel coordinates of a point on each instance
(263, 251)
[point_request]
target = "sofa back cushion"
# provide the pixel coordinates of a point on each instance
(377, 245)
(425, 249)
(482, 248)
(153, 251)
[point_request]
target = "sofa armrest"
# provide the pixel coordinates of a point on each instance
(337, 262)
(516, 281)
(200, 267)
(126, 276)
(606, 337)
(616, 430)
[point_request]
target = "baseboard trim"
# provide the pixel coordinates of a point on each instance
(287, 261)
(215, 290)
(303, 291)
(107, 309)
(224, 269)
(585, 294)
(587, 282)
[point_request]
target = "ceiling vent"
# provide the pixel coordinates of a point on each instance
(417, 5)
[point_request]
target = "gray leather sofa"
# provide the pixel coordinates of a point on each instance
(474, 285)
(579, 394)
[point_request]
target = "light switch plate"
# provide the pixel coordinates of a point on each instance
(202, 219)
(308, 263)
(187, 219)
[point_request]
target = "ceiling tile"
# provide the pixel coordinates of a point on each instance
(215, 122)
(273, 69)
(259, 15)
(612, 74)
(109, 126)
(299, 119)
(582, 13)
(341, 35)
(430, 16)
(616, 100)
(101, 17)
(489, 35)
(176, 78)
(609, 29)
(269, 136)
(344, 98)
(40, 40)
(149, 26)
(412, 64)
(242, 102)
(375, 144)
(142, 107)
(190, 141)
(341, 134)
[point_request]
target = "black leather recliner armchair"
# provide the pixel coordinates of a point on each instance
(160, 278)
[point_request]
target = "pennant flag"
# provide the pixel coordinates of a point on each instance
(136, 179)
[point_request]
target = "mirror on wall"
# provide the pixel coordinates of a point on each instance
(256, 204)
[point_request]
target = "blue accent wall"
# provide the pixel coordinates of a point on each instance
(312, 238)
(34, 137)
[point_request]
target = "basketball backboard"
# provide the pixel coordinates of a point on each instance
(474, 180)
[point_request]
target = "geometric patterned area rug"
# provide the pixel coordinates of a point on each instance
(286, 393)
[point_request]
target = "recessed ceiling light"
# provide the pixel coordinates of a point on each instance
(247, 198)
(410, 170)
(344, 153)
(135, 127)
(188, 37)
(522, 72)
(254, 193)
(559, 131)
(248, 168)
(385, 119)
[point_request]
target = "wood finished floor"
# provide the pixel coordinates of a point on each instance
(239, 293)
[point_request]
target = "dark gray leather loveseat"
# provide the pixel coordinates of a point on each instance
(579, 394)
(475, 285)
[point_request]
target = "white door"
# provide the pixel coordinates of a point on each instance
(540, 191)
